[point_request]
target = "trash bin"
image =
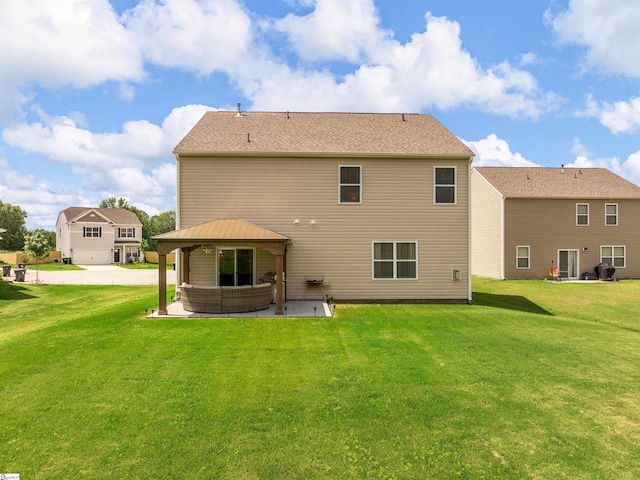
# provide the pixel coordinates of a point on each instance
(20, 272)
(6, 270)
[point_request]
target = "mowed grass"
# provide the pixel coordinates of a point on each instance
(536, 381)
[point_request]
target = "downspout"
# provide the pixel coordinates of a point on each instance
(178, 257)
(502, 258)
(469, 231)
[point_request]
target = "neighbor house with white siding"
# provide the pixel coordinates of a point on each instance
(374, 206)
(90, 236)
(528, 220)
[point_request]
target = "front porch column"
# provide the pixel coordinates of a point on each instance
(162, 284)
(279, 284)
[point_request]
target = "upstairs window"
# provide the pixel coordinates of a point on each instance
(350, 184)
(92, 232)
(582, 214)
(395, 260)
(126, 232)
(614, 255)
(445, 185)
(611, 214)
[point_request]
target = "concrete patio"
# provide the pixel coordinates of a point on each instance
(292, 308)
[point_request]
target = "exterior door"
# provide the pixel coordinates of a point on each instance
(235, 267)
(116, 255)
(568, 263)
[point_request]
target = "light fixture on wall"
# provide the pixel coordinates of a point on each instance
(296, 222)
(312, 223)
(207, 250)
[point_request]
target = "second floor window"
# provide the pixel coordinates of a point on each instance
(582, 214)
(126, 232)
(350, 184)
(611, 214)
(445, 185)
(94, 232)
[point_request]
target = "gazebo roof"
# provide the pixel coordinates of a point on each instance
(223, 229)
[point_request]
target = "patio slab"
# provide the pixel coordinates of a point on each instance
(292, 308)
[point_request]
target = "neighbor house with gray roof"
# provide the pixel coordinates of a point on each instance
(354, 206)
(527, 221)
(98, 236)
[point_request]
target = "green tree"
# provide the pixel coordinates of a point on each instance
(37, 245)
(161, 223)
(12, 220)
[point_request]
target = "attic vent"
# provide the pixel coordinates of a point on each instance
(92, 215)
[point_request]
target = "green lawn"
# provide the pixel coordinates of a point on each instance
(538, 380)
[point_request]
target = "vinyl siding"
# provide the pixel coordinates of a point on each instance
(486, 228)
(397, 205)
(547, 225)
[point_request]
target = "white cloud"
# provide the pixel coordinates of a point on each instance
(199, 36)
(618, 117)
(135, 163)
(609, 29)
(492, 151)
(432, 70)
(628, 169)
(42, 200)
(335, 30)
(75, 42)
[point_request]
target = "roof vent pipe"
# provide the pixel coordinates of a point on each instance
(239, 114)
(562, 166)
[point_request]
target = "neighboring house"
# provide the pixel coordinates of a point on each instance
(375, 205)
(92, 236)
(527, 220)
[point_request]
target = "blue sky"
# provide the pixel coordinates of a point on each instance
(94, 94)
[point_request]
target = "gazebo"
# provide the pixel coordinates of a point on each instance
(221, 233)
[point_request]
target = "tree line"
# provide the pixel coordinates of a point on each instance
(12, 219)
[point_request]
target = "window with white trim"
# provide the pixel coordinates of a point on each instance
(126, 232)
(93, 232)
(582, 214)
(614, 255)
(444, 185)
(611, 214)
(395, 260)
(522, 256)
(350, 184)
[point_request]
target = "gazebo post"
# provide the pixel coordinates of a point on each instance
(162, 284)
(186, 254)
(279, 283)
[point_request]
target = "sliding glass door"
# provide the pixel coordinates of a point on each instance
(235, 267)
(568, 263)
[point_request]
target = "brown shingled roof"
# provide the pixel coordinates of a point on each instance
(525, 182)
(321, 133)
(118, 216)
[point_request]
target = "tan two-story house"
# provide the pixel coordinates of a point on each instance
(98, 236)
(528, 221)
(375, 207)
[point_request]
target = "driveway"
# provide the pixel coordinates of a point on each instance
(98, 275)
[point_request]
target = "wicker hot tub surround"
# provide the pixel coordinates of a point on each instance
(248, 298)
